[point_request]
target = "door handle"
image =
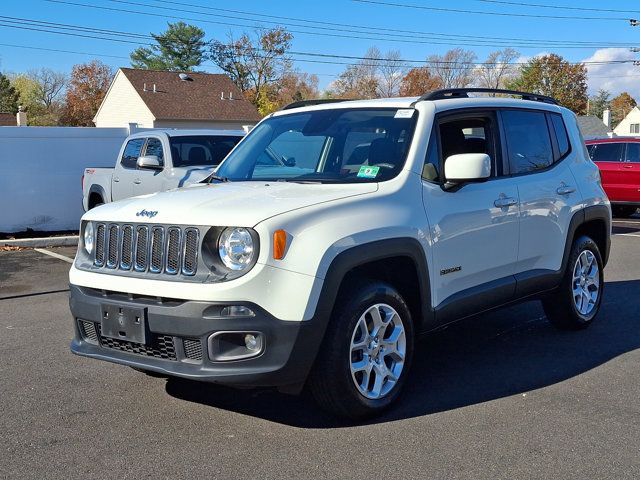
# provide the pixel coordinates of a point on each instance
(565, 189)
(137, 181)
(628, 166)
(504, 202)
(116, 179)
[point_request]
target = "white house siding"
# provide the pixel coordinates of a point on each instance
(122, 106)
(190, 124)
(41, 170)
(624, 127)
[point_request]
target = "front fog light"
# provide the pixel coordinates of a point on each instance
(89, 237)
(235, 247)
(251, 342)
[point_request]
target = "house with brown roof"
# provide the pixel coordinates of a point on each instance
(161, 99)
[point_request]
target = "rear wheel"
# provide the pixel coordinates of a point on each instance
(577, 301)
(366, 352)
(623, 210)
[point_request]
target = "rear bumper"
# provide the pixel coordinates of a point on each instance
(177, 341)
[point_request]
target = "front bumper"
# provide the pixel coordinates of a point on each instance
(177, 340)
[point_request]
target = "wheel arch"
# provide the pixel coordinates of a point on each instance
(398, 261)
(595, 222)
(94, 192)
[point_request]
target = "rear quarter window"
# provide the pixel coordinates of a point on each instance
(561, 135)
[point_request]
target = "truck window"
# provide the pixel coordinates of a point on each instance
(154, 147)
(131, 153)
(205, 150)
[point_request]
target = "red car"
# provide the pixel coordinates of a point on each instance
(619, 161)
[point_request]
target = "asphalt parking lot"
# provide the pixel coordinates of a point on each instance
(502, 395)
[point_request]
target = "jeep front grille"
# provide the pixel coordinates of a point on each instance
(156, 249)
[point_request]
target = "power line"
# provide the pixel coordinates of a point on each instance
(104, 55)
(411, 40)
(558, 7)
(480, 12)
(24, 24)
(35, 25)
(378, 28)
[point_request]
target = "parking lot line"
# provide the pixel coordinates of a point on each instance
(54, 255)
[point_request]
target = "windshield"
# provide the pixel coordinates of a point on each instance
(339, 145)
(201, 150)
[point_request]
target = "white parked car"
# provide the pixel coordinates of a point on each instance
(157, 160)
(335, 233)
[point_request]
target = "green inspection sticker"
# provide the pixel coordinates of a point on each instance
(368, 172)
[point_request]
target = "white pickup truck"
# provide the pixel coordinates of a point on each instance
(157, 160)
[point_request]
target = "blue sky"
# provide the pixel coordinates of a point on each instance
(401, 23)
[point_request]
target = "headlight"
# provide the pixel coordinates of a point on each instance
(236, 248)
(89, 237)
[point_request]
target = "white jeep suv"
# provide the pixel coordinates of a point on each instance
(335, 233)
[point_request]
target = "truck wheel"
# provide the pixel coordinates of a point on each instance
(577, 301)
(623, 210)
(366, 353)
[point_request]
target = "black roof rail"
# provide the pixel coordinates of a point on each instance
(317, 101)
(464, 93)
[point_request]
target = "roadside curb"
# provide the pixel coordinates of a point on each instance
(64, 241)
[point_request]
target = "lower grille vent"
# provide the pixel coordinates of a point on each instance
(192, 348)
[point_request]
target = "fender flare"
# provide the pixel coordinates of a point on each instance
(99, 190)
(585, 215)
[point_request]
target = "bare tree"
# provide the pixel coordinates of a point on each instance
(391, 71)
(360, 80)
(497, 69)
(50, 86)
(454, 68)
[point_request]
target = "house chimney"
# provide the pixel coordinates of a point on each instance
(144, 87)
(606, 118)
(21, 118)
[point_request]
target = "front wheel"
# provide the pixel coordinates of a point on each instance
(366, 353)
(578, 299)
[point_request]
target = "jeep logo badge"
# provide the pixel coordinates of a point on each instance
(147, 213)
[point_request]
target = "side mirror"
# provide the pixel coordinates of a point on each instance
(151, 162)
(467, 167)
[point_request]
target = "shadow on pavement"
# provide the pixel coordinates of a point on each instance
(494, 355)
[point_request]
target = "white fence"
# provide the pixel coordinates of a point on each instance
(41, 170)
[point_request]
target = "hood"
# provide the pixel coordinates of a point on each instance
(242, 204)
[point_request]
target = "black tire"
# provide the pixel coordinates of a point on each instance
(560, 307)
(331, 382)
(623, 211)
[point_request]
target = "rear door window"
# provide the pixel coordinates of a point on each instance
(633, 152)
(528, 141)
(607, 152)
(132, 152)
